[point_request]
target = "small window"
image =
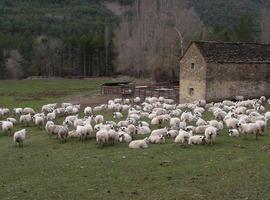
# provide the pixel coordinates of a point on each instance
(192, 65)
(191, 91)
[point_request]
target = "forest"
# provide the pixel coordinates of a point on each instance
(89, 38)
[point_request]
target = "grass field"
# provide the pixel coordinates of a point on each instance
(45, 169)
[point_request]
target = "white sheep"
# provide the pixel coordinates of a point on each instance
(234, 133)
(87, 111)
(28, 110)
(26, 119)
(231, 123)
(172, 133)
(19, 137)
(39, 121)
(117, 115)
(99, 119)
(6, 126)
(210, 134)
(162, 131)
(143, 130)
(139, 144)
(182, 137)
(124, 137)
(197, 139)
(13, 120)
(102, 137)
(249, 128)
(157, 139)
(18, 111)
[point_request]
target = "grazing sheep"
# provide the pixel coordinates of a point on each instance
(124, 137)
(25, 119)
(117, 115)
(172, 133)
(216, 124)
(197, 139)
(51, 116)
(162, 131)
(262, 126)
(182, 137)
(139, 144)
(234, 133)
(6, 126)
(231, 123)
(18, 111)
(39, 121)
(28, 110)
(13, 120)
(200, 122)
(200, 130)
(99, 119)
(249, 128)
(62, 133)
(19, 137)
(102, 137)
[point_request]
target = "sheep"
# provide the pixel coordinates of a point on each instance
(157, 139)
(216, 124)
(219, 115)
(18, 111)
(113, 136)
(124, 137)
(267, 115)
(6, 126)
(172, 133)
(73, 134)
(249, 128)
(39, 121)
(117, 115)
(25, 119)
(102, 137)
(197, 139)
(200, 130)
(233, 133)
(182, 137)
(51, 116)
(262, 126)
(175, 123)
(200, 122)
(49, 126)
(87, 111)
(13, 120)
(62, 133)
(143, 130)
(99, 119)
(139, 144)
(231, 123)
(137, 100)
(162, 131)
(143, 123)
(28, 110)
(210, 134)
(78, 122)
(19, 137)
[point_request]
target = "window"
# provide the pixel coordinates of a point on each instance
(192, 65)
(191, 91)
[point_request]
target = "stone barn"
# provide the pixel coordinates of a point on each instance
(216, 71)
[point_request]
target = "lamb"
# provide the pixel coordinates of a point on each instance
(210, 134)
(113, 136)
(49, 126)
(157, 139)
(124, 137)
(182, 137)
(18, 111)
(25, 119)
(197, 139)
(172, 133)
(234, 133)
(117, 115)
(143, 130)
(19, 137)
(6, 126)
(13, 120)
(87, 111)
(139, 144)
(250, 128)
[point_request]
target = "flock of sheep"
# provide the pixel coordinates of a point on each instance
(182, 122)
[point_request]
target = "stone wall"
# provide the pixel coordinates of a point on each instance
(224, 81)
(192, 78)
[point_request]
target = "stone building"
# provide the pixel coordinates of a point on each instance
(216, 71)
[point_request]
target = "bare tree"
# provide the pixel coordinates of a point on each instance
(152, 42)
